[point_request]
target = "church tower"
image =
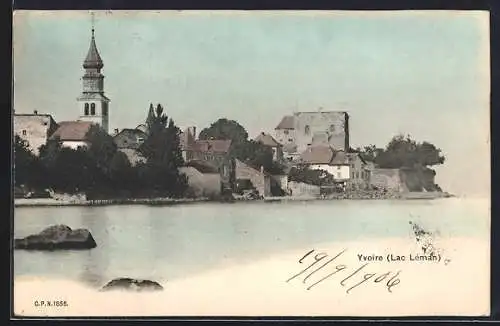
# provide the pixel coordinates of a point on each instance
(93, 104)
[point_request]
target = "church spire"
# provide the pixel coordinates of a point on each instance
(93, 59)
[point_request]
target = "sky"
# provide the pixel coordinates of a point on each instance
(420, 73)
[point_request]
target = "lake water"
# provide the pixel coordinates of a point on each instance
(174, 242)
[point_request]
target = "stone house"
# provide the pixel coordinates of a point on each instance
(284, 131)
(34, 128)
(204, 179)
(360, 171)
(75, 134)
(259, 179)
(215, 151)
(129, 138)
(268, 140)
(348, 169)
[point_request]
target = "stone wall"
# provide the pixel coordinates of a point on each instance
(260, 180)
(299, 189)
(421, 179)
(389, 179)
(202, 184)
(404, 180)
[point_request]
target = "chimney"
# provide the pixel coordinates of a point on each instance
(116, 131)
(261, 169)
(35, 112)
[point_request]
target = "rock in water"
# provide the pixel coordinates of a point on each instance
(57, 237)
(130, 284)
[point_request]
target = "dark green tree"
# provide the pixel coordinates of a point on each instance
(304, 174)
(225, 129)
(27, 168)
(403, 151)
(163, 153)
(246, 150)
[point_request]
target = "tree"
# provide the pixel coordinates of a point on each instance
(403, 151)
(27, 168)
(304, 174)
(162, 151)
(225, 129)
(246, 150)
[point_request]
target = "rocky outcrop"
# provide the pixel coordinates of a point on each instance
(57, 237)
(130, 284)
(419, 179)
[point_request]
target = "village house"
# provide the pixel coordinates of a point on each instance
(204, 179)
(259, 179)
(213, 152)
(34, 128)
(347, 169)
(269, 141)
(76, 134)
(208, 150)
(129, 138)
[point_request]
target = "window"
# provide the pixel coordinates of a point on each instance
(92, 109)
(285, 132)
(352, 175)
(338, 167)
(332, 128)
(290, 139)
(140, 139)
(104, 109)
(24, 132)
(86, 109)
(338, 175)
(307, 130)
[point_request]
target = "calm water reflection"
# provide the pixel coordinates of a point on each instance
(170, 242)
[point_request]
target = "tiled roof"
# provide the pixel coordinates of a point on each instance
(323, 154)
(286, 123)
(137, 132)
(267, 140)
(317, 155)
(340, 158)
(209, 146)
(72, 130)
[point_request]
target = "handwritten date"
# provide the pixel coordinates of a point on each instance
(355, 277)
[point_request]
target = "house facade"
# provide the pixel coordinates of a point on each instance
(34, 128)
(129, 138)
(348, 169)
(75, 134)
(269, 141)
(259, 179)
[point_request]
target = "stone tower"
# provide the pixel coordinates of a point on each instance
(93, 104)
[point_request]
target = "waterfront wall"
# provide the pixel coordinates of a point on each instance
(299, 189)
(202, 184)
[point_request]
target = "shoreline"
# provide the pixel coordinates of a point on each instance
(50, 202)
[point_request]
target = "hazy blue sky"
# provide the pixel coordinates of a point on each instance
(426, 74)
